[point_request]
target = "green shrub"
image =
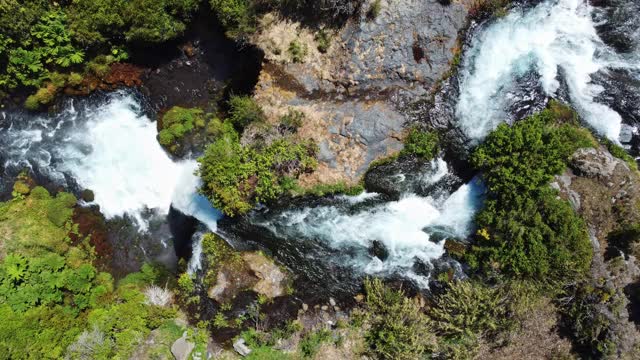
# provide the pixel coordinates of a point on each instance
(46, 94)
(59, 210)
(528, 232)
(244, 110)
(158, 20)
(398, 329)
(297, 51)
(619, 152)
(75, 79)
(311, 342)
(238, 17)
(40, 193)
(267, 353)
(323, 40)
(217, 128)
(292, 120)
(236, 177)
(32, 103)
(586, 315)
(374, 9)
(57, 79)
(99, 66)
(423, 144)
(468, 311)
(20, 188)
(178, 122)
(330, 189)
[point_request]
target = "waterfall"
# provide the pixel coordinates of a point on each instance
(553, 39)
(109, 147)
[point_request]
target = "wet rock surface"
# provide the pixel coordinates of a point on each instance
(617, 26)
(251, 271)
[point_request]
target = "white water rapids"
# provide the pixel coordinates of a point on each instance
(404, 227)
(553, 36)
(111, 149)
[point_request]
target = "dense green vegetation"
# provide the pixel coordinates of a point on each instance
(178, 122)
(525, 230)
(451, 327)
(53, 300)
(237, 177)
(423, 144)
(42, 41)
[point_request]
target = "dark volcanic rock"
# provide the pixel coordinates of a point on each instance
(206, 67)
(378, 250)
(617, 23)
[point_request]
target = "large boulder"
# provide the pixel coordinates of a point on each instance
(228, 273)
(182, 348)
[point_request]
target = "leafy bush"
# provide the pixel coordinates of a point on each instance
(32, 103)
(50, 291)
(617, 151)
(398, 328)
(237, 16)
(467, 311)
(75, 79)
(236, 177)
(587, 316)
(528, 231)
(292, 120)
(267, 353)
(60, 209)
(297, 51)
(423, 144)
(42, 40)
(323, 39)
(157, 21)
(244, 110)
(311, 342)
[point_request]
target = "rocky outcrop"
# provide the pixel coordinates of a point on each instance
(182, 348)
(229, 273)
(351, 94)
(350, 134)
(605, 191)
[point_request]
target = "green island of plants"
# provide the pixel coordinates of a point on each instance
(177, 123)
(526, 231)
(236, 177)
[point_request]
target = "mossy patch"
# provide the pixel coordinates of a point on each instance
(177, 123)
(37, 223)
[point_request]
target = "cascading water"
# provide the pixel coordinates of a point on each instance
(554, 39)
(109, 147)
(411, 230)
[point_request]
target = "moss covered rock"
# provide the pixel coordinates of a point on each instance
(177, 124)
(230, 272)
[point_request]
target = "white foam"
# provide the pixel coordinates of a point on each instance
(115, 153)
(553, 35)
(398, 225)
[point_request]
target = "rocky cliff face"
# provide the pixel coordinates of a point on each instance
(352, 94)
